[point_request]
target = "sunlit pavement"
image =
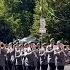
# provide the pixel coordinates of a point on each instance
(67, 67)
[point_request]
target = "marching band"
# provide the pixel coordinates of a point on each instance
(31, 56)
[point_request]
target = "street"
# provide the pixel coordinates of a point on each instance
(67, 67)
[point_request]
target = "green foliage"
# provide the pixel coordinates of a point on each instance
(2, 8)
(62, 19)
(14, 24)
(23, 17)
(26, 20)
(57, 15)
(19, 15)
(42, 8)
(6, 34)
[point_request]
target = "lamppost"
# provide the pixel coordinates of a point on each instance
(42, 28)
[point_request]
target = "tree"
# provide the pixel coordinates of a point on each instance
(6, 34)
(56, 13)
(42, 8)
(61, 19)
(19, 15)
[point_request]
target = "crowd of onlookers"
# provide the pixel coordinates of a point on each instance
(31, 56)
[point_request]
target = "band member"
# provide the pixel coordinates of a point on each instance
(60, 56)
(2, 56)
(18, 59)
(26, 62)
(30, 57)
(66, 50)
(22, 57)
(69, 54)
(13, 57)
(44, 58)
(8, 59)
(37, 58)
(51, 55)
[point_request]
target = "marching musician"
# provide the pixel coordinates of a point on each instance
(51, 55)
(2, 56)
(29, 61)
(37, 58)
(22, 57)
(44, 58)
(18, 58)
(60, 56)
(8, 59)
